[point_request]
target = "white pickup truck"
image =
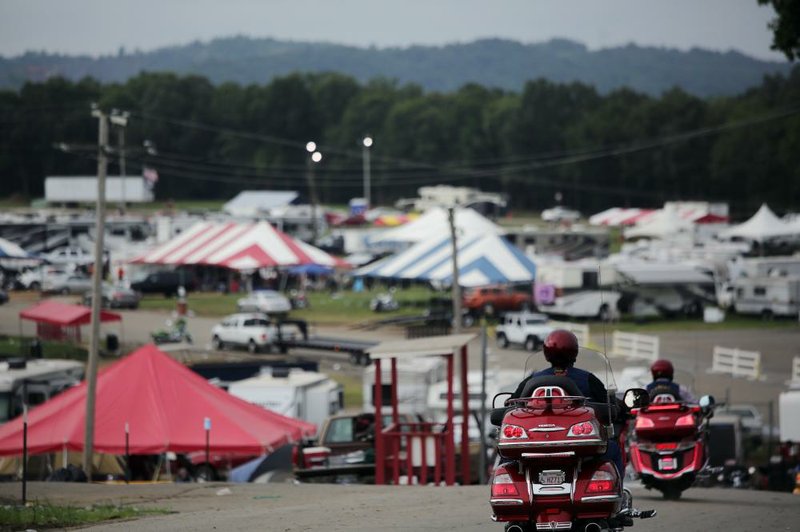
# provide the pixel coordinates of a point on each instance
(524, 328)
(254, 331)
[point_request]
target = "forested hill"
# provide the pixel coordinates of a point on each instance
(489, 62)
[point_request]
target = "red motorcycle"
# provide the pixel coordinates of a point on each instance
(554, 476)
(668, 446)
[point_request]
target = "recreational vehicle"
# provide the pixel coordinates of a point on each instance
(575, 290)
(33, 382)
(766, 296)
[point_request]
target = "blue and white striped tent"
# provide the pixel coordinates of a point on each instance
(482, 260)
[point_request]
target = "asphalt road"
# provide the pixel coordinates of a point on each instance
(290, 508)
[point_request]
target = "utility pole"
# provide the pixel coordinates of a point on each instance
(456, 289)
(120, 119)
(97, 278)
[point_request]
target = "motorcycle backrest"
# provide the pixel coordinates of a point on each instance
(565, 384)
(663, 398)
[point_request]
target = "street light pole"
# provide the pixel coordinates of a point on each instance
(97, 277)
(367, 142)
(313, 158)
(456, 288)
(121, 120)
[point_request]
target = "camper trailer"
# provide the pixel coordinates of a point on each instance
(766, 296)
(652, 289)
(33, 382)
(306, 395)
(575, 290)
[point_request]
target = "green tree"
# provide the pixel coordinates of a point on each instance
(785, 28)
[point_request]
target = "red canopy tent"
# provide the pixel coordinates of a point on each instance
(163, 403)
(61, 321)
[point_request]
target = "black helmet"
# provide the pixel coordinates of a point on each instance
(561, 348)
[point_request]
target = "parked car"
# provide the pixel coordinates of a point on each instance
(35, 278)
(3, 297)
(254, 331)
(489, 300)
(266, 301)
(68, 284)
(752, 422)
(523, 328)
(166, 283)
(560, 214)
(115, 296)
(70, 255)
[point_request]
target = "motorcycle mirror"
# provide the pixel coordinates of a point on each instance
(494, 401)
(636, 398)
(707, 401)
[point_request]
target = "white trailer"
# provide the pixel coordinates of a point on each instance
(34, 382)
(414, 379)
(580, 289)
(305, 395)
(766, 296)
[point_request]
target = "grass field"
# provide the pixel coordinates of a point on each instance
(325, 308)
(44, 515)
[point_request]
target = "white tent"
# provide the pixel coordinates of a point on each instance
(664, 224)
(435, 224)
(482, 260)
(763, 225)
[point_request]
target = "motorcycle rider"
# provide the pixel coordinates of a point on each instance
(561, 351)
(663, 373)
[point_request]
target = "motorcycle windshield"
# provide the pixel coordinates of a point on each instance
(588, 359)
(638, 376)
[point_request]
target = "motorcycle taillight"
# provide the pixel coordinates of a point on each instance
(685, 421)
(601, 481)
(512, 432)
(644, 423)
(586, 428)
(503, 486)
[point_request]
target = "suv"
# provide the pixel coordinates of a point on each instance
(254, 331)
(523, 328)
(491, 299)
(166, 283)
(266, 301)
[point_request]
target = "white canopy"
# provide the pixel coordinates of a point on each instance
(763, 225)
(435, 223)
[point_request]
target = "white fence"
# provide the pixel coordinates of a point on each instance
(736, 362)
(796, 370)
(580, 330)
(638, 346)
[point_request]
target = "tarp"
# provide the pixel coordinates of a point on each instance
(482, 260)
(435, 224)
(763, 225)
(165, 406)
(238, 246)
(63, 314)
(9, 250)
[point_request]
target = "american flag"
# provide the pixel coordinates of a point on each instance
(150, 176)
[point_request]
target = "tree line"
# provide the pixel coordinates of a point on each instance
(623, 148)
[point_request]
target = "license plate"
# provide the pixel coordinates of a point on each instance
(550, 478)
(666, 464)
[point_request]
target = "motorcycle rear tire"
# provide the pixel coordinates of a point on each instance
(671, 493)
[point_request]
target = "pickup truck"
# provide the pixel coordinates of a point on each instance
(523, 328)
(344, 450)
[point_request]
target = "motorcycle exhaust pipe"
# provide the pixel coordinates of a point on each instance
(514, 528)
(592, 527)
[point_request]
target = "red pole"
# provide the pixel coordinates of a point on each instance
(380, 471)
(465, 417)
(395, 416)
(450, 449)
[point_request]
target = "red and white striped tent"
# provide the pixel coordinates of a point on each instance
(617, 216)
(238, 246)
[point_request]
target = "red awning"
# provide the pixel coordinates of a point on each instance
(63, 314)
(238, 246)
(164, 405)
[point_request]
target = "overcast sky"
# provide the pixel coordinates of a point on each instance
(102, 26)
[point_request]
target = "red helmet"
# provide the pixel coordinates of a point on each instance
(561, 348)
(662, 369)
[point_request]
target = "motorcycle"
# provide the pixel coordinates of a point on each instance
(552, 441)
(175, 333)
(384, 303)
(669, 443)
